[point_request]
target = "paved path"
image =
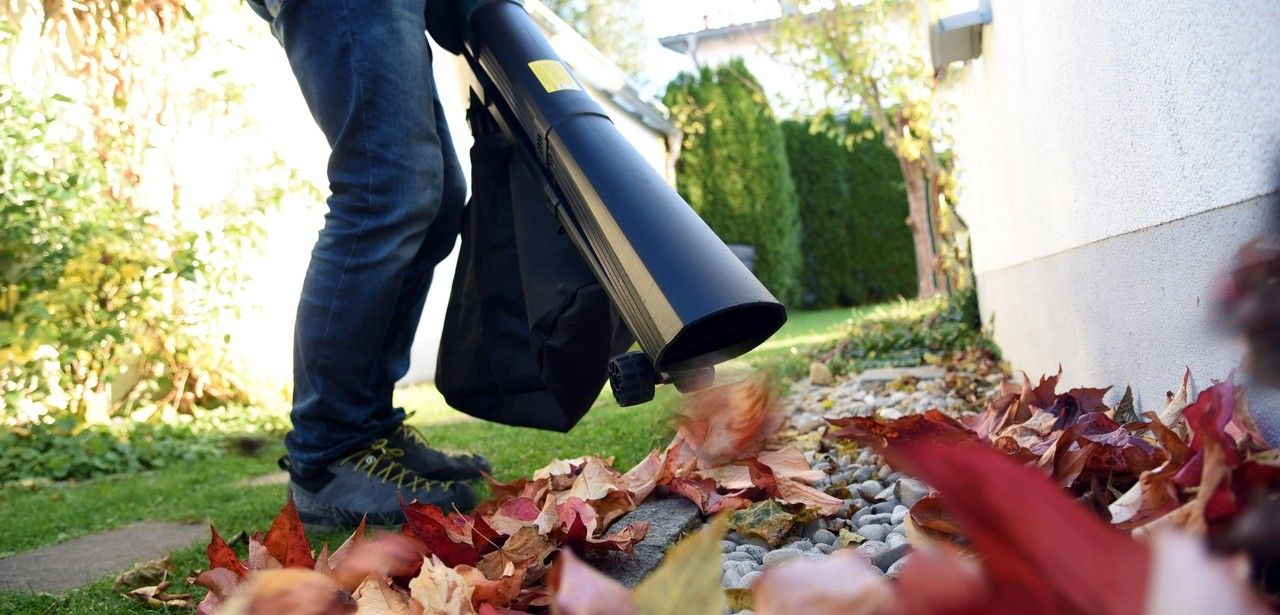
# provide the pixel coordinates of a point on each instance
(70, 564)
(669, 518)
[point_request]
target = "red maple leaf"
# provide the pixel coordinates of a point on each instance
(455, 538)
(286, 540)
(221, 555)
(1045, 550)
(933, 426)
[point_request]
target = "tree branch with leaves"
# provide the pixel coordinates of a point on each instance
(871, 59)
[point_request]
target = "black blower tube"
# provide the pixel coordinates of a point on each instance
(685, 296)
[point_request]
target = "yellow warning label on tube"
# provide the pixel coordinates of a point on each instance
(553, 76)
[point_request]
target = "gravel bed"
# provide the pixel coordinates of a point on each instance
(879, 496)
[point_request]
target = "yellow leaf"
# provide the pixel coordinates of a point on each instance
(688, 581)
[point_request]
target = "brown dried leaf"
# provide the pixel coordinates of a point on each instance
(376, 596)
(221, 584)
(144, 574)
(641, 479)
(440, 590)
(499, 591)
(259, 558)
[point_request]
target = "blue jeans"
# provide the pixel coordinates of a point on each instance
(396, 208)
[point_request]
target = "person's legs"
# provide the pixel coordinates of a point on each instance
(365, 73)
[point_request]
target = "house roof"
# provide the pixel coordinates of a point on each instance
(598, 71)
(681, 43)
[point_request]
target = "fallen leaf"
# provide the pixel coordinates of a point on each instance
(706, 494)
(941, 580)
(688, 580)
(455, 538)
(259, 558)
(767, 520)
(578, 523)
(144, 574)
(322, 560)
(641, 479)
(791, 491)
(297, 591)
(594, 480)
(525, 549)
(1191, 517)
(1045, 393)
(578, 589)
(221, 583)
(223, 556)
(820, 374)
(1154, 494)
(1125, 411)
(739, 599)
(1184, 578)
(286, 540)
(1243, 429)
(376, 596)
(1029, 533)
(1172, 413)
(154, 596)
(498, 591)
(842, 584)
(848, 537)
(343, 550)
(516, 514)
(439, 590)
(1073, 404)
(931, 520)
(932, 426)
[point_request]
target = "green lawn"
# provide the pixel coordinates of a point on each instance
(208, 491)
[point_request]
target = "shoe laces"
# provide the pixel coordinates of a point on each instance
(415, 434)
(380, 461)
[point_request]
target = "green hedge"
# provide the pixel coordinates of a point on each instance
(733, 170)
(856, 247)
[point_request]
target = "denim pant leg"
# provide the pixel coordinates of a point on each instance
(441, 236)
(365, 72)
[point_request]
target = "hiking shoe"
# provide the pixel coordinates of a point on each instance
(433, 464)
(370, 482)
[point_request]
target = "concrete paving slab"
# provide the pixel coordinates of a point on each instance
(669, 518)
(58, 568)
(889, 374)
(275, 478)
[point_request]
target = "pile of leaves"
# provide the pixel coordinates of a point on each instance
(1195, 467)
(1033, 550)
(499, 555)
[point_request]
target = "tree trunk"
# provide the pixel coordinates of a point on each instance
(915, 175)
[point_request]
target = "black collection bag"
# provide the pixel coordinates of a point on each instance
(529, 330)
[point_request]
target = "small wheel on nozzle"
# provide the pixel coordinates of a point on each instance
(632, 378)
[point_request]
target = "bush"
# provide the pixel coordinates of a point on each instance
(102, 302)
(910, 332)
(733, 170)
(63, 448)
(856, 248)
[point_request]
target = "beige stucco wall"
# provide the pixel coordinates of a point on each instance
(1114, 154)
